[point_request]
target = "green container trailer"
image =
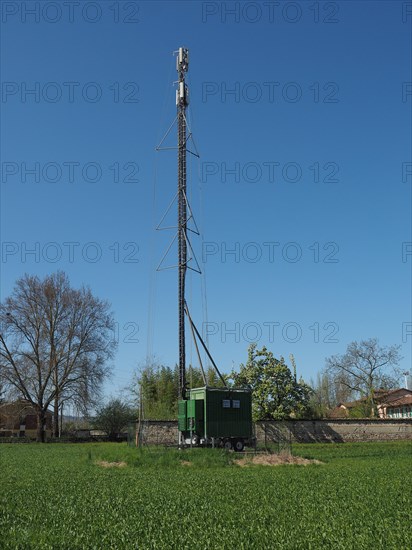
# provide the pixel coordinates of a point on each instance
(217, 416)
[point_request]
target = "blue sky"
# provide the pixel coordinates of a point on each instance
(301, 112)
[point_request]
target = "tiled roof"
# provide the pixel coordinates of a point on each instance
(404, 400)
(338, 412)
(381, 396)
(384, 398)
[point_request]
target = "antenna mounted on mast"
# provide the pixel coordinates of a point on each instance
(184, 219)
(182, 96)
(206, 415)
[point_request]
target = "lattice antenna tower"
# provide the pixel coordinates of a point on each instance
(185, 221)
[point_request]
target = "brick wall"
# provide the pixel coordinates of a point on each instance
(158, 432)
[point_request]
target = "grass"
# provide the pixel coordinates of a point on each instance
(159, 457)
(58, 497)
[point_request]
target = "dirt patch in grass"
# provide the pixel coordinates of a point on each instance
(105, 464)
(186, 463)
(274, 460)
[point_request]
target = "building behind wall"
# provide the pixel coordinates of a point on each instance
(389, 404)
(399, 406)
(19, 419)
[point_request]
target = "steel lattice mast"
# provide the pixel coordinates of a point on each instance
(186, 256)
(182, 65)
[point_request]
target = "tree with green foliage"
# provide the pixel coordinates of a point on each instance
(214, 380)
(158, 387)
(113, 417)
(276, 394)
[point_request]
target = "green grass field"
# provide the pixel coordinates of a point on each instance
(56, 496)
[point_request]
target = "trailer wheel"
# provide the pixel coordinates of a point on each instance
(227, 444)
(195, 440)
(239, 445)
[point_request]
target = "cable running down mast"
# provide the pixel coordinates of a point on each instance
(185, 215)
(182, 95)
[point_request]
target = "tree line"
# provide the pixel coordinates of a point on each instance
(277, 393)
(56, 344)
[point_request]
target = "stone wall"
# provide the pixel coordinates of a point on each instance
(159, 432)
(338, 431)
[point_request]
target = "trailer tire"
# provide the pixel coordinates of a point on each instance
(227, 444)
(239, 445)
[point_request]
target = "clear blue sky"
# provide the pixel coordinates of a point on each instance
(317, 130)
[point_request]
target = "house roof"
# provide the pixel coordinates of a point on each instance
(14, 405)
(381, 396)
(384, 398)
(338, 412)
(350, 404)
(404, 400)
(20, 405)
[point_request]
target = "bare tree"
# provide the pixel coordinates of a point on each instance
(55, 342)
(328, 391)
(365, 367)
